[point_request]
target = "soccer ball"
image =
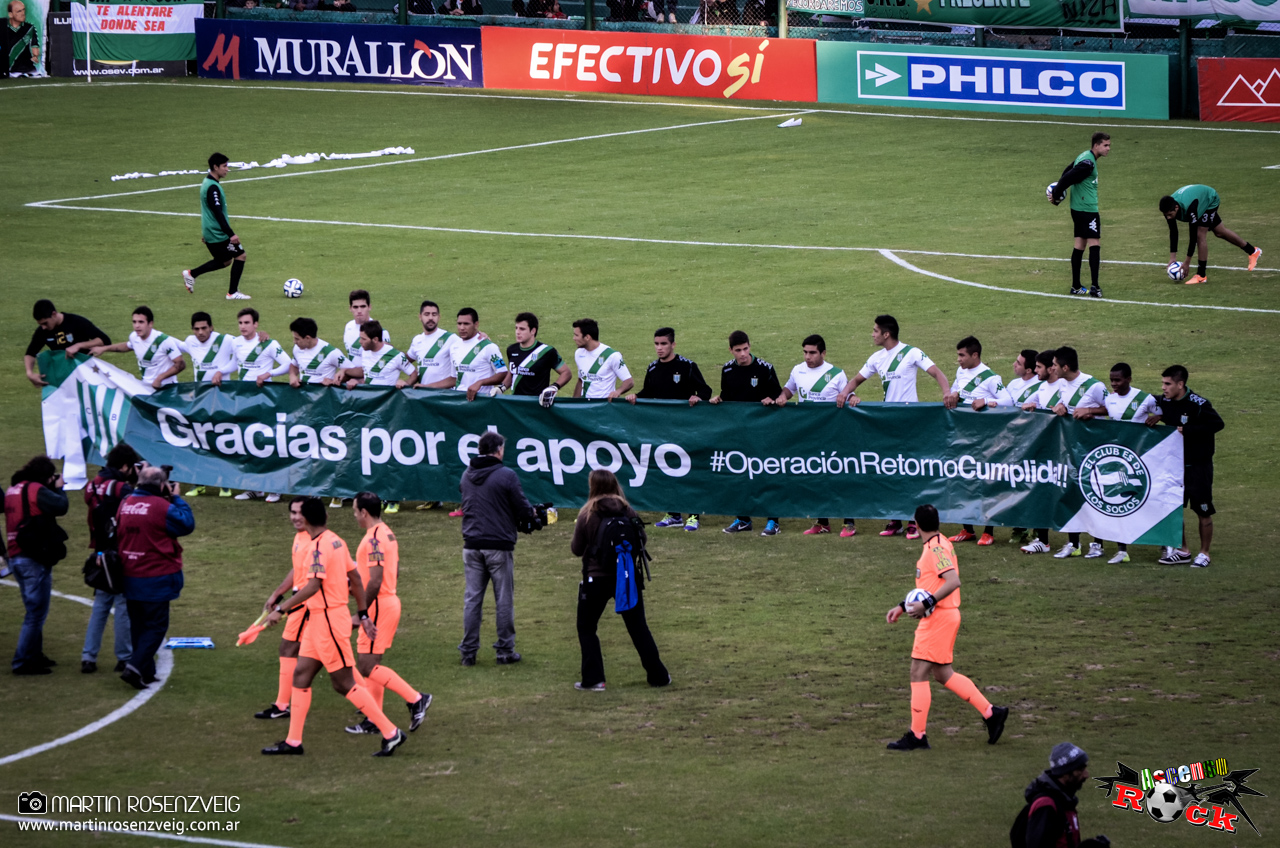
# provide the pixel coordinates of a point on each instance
(1048, 192)
(1176, 271)
(1165, 803)
(293, 288)
(916, 596)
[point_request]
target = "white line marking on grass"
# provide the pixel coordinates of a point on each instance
(77, 598)
(200, 840)
(897, 260)
(442, 157)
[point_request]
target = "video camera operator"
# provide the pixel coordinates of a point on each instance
(36, 544)
(151, 519)
(102, 497)
(493, 507)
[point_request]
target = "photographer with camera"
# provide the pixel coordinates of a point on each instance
(36, 544)
(493, 509)
(150, 522)
(102, 571)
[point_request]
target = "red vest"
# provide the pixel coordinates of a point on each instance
(99, 489)
(13, 512)
(146, 548)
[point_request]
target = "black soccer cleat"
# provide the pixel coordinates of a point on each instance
(365, 726)
(133, 678)
(283, 748)
(509, 659)
(995, 724)
(418, 711)
(272, 712)
(1095, 292)
(909, 742)
(1077, 291)
(389, 745)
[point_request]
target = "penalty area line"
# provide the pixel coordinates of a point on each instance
(55, 826)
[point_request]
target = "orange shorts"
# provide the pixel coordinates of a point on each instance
(327, 638)
(936, 636)
(385, 615)
(294, 625)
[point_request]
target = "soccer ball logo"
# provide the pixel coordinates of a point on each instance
(293, 288)
(1165, 803)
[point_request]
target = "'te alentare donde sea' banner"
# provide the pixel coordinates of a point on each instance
(1114, 480)
(140, 31)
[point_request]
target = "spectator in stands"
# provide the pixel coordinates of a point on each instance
(716, 12)
(344, 6)
(536, 8)
(625, 10)
(304, 5)
(759, 13)
(461, 7)
(555, 11)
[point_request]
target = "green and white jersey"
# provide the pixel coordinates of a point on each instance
(216, 355)
(432, 353)
(1136, 406)
(254, 358)
(816, 385)
(1020, 390)
(1048, 394)
(897, 368)
(156, 354)
(1084, 391)
(600, 370)
(214, 226)
(475, 359)
(384, 367)
(322, 361)
(351, 342)
(1084, 195)
(980, 382)
(1198, 200)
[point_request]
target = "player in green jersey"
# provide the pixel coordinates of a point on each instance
(1082, 179)
(216, 233)
(1198, 206)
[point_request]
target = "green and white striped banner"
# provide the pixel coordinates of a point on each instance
(135, 32)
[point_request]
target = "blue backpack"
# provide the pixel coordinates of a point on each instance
(619, 539)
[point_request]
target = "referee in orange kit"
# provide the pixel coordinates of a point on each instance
(939, 615)
(326, 640)
(291, 638)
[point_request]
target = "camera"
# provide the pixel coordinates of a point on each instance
(542, 515)
(33, 804)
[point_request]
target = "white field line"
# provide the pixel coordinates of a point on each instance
(691, 103)
(198, 840)
(164, 665)
(77, 598)
(898, 260)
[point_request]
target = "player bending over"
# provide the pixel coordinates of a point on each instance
(1198, 206)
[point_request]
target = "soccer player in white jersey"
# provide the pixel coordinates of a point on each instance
(897, 363)
(1081, 396)
(430, 351)
(380, 363)
(159, 355)
(476, 359)
(979, 387)
(213, 359)
(1045, 397)
(602, 374)
(315, 361)
(1025, 382)
(359, 301)
(258, 359)
(1123, 403)
(816, 381)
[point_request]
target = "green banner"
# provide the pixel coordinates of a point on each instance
(1022, 14)
(1116, 480)
(140, 31)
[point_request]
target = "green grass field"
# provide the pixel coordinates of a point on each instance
(787, 681)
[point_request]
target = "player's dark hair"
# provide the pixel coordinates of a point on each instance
(360, 294)
(667, 333)
(372, 329)
(927, 518)
(889, 324)
(1167, 204)
(121, 455)
(589, 327)
(40, 469)
(370, 503)
(737, 337)
(1123, 369)
(217, 159)
(1067, 358)
(427, 303)
(1177, 373)
(530, 319)
(197, 317)
(250, 311)
(491, 443)
(296, 500)
(1045, 357)
(467, 310)
(313, 512)
(305, 327)
(1028, 357)
(815, 340)
(970, 344)
(145, 312)
(43, 309)
(1098, 138)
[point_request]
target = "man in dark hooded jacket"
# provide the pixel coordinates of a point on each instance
(492, 503)
(1049, 818)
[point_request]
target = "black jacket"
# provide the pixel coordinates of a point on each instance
(678, 379)
(492, 501)
(1198, 420)
(749, 383)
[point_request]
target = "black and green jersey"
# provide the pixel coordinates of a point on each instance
(1084, 194)
(214, 226)
(1194, 201)
(532, 368)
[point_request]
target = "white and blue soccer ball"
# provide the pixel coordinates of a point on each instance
(1165, 803)
(1048, 191)
(293, 287)
(1176, 271)
(917, 596)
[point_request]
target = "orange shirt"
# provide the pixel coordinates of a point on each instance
(379, 547)
(938, 556)
(301, 560)
(329, 559)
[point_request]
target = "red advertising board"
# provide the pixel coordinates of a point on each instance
(1239, 89)
(650, 63)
